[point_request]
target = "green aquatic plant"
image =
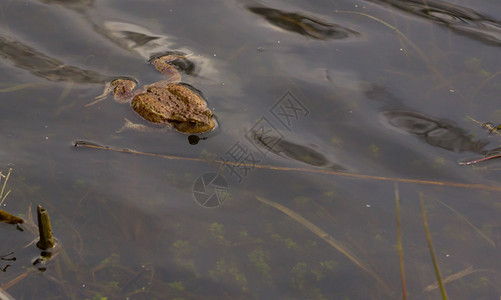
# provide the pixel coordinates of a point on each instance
(181, 248)
(217, 233)
(474, 65)
(326, 237)
(225, 272)
(374, 150)
(257, 259)
(98, 296)
(287, 242)
(300, 280)
(298, 273)
(301, 200)
(176, 286)
(480, 282)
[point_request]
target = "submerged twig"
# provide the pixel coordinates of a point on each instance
(84, 144)
(430, 246)
(5, 296)
(451, 278)
(17, 279)
(476, 161)
(456, 276)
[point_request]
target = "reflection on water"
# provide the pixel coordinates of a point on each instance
(150, 45)
(437, 133)
(41, 65)
(461, 19)
(303, 25)
(126, 35)
(71, 4)
(138, 39)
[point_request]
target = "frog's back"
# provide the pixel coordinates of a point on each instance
(159, 104)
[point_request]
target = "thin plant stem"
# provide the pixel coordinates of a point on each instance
(2, 197)
(85, 144)
(464, 219)
(430, 246)
(326, 237)
(486, 125)
(399, 238)
(420, 52)
(484, 83)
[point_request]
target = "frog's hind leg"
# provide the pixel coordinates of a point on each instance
(164, 65)
(122, 91)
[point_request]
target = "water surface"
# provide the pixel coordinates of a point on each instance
(322, 108)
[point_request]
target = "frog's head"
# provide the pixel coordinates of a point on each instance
(198, 122)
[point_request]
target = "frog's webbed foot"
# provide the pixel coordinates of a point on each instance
(107, 89)
(122, 91)
(128, 125)
(164, 65)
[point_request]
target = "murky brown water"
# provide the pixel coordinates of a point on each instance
(322, 106)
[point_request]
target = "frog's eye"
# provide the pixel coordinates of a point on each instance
(192, 122)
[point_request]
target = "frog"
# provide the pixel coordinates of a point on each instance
(164, 102)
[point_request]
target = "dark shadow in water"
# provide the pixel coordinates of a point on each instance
(41, 65)
(303, 25)
(138, 39)
(290, 150)
(75, 5)
(462, 20)
(182, 63)
(437, 133)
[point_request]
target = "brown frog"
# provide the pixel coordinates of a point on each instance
(166, 101)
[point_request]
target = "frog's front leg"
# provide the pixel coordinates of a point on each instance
(123, 91)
